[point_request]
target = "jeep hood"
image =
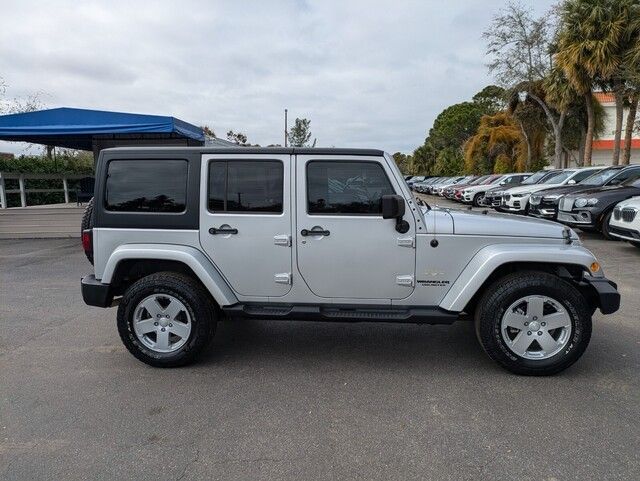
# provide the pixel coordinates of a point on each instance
(507, 225)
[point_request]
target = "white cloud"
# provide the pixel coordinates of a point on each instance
(367, 74)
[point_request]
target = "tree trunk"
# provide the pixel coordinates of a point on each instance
(588, 140)
(583, 135)
(557, 128)
(527, 167)
(618, 132)
(628, 131)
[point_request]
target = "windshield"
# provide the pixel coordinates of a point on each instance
(599, 178)
(479, 180)
(535, 178)
(633, 181)
(558, 178)
(492, 179)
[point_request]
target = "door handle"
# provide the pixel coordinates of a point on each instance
(306, 232)
(214, 231)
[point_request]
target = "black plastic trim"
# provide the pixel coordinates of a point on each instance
(343, 313)
(247, 150)
(188, 219)
(606, 292)
(95, 293)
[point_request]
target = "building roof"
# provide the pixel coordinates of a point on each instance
(78, 128)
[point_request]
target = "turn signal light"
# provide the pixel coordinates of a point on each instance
(87, 240)
(594, 267)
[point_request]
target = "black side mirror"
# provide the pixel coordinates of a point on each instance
(392, 206)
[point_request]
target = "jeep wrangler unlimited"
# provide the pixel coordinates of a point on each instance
(180, 237)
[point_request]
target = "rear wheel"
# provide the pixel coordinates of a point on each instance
(477, 199)
(166, 319)
(533, 323)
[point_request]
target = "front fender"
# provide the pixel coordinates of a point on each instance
(196, 260)
(488, 259)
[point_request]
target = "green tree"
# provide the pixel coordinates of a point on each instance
(449, 162)
(300, 134)
(237, 138)
(402, 161)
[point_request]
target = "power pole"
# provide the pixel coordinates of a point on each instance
(285, 127)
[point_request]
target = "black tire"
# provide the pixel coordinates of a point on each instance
(604, 227)
(87, 223)
(509, 289)
(191, 294)
(476, 200)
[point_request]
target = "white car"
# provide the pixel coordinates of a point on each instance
(625, 221)
(474, 194)
(516, 199)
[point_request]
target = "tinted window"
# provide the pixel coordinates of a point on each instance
(246, 186)
(625, 175)
(535, 178)
(583, 175)
(346, 187)
(146, 185)
(633, 179)
(558, 177)
(600, 177)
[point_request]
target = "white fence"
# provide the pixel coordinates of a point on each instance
(23, 190)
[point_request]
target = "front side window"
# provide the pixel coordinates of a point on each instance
(246, 186)
(625, 175)
(146, 186)
(582, 175)
(346, 187)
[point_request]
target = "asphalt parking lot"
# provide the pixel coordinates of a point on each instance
(302, 400)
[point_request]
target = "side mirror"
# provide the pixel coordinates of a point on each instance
(571, 182)
(503, 182)
(392, 206)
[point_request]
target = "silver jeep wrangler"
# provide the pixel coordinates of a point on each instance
(181, 237)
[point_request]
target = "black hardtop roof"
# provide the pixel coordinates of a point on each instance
(250, 150)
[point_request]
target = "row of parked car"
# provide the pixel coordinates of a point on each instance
(604, 199)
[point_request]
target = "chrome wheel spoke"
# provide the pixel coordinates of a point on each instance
(547, 342)
(515, 319)
(180, 329)
(145, 326)
(162, 339)
(521, 343)
(152, 306)
(535, 307)
(174, 308)
(556, 320)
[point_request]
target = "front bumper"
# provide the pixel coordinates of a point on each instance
(577, 218)
(605, 292)
(95, 293)
(630, 235)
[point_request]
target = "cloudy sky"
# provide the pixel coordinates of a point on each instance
(367, 73)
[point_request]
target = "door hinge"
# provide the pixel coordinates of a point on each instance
(407, 241)
(282, 240)
(282, 278)
(405, 280)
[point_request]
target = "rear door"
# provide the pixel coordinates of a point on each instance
(345, 249)
(245, 221)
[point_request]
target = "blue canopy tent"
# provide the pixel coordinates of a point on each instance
(94, 130)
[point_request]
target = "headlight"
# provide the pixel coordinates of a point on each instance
(582, 202)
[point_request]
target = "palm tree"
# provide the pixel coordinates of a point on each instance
(589, 49)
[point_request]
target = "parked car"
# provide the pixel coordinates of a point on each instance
(182, 237)
(493, 197)
(414, 180)
(505, 182)
(423, 186)
(516, 199)
(474, 194)
(452, 181)
(544, 204)
(449, 192)
(592, 209)
(625, 222)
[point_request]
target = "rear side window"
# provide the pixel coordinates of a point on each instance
(146, 186)
(246, 186)
(346, 187)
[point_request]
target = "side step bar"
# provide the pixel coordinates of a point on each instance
(342, 313)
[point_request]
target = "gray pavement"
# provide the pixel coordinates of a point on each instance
(301, 400)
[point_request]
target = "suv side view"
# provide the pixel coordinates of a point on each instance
(182, 237)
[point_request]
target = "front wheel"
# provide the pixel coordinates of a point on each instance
(477, 199)
(166, 319)
(533, 323)
(604, 227)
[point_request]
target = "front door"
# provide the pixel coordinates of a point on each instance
(245, 221)
(345, 248)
